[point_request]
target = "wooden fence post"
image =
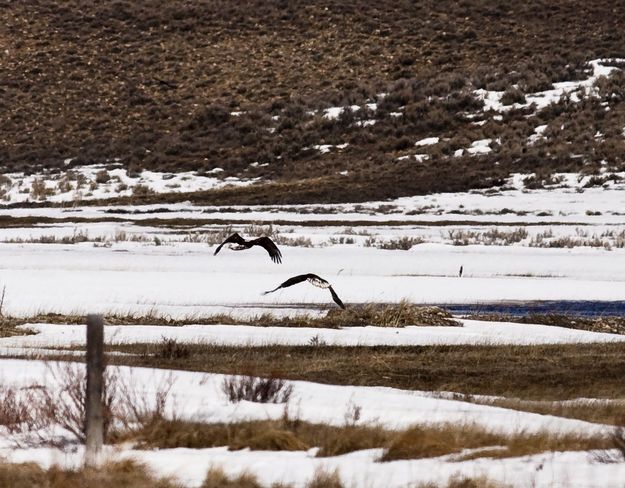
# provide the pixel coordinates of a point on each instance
(94, 419)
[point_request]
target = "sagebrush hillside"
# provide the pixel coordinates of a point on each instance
(249, 86)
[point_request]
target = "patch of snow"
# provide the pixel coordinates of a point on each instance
(481, 146)
(428, 141)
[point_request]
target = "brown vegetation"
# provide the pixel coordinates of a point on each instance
(413, 443)
(123, 474)
(196, 85)
(381, 315)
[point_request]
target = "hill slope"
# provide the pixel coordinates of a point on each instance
(326, 99)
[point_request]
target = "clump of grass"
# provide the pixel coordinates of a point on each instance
(390, 315)
(254, 389)
(325, 479)
(216, 478)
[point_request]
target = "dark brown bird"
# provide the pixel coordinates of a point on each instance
(264, 242)
(312, 279)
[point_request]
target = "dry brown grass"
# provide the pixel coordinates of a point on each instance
(539, 372)
(127, 474)
(420, 442)
(273, 435)
(464, 482)
(417, 442)
(216, 478)
(124, 474)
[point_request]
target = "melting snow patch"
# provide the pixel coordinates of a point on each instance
(481, 146)
(428, 141)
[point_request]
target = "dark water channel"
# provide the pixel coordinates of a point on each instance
(580, 308)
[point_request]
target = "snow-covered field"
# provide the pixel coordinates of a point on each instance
(186, 280)
(128, 265)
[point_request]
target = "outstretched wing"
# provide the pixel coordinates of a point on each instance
(234, 238)
(290, 282)
(336, 298)
(270, 247)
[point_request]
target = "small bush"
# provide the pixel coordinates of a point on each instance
(513, 95)
(16, 413)
(38, 189)
(142, 190)
(253, 389)
(102, 176)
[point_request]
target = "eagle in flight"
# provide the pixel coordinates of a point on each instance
(312, 279)
(264, 242)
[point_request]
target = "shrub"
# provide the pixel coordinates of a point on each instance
(142, 190)
(65, 405)
(38, 189)
(16, 413)
(102, 176)
(512, 95)
(253, 389)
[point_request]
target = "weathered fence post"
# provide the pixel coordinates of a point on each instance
(94, 418)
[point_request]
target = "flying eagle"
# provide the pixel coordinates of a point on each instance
(264, 242)
(312, 279)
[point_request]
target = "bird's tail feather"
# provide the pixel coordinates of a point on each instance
(270, 291)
